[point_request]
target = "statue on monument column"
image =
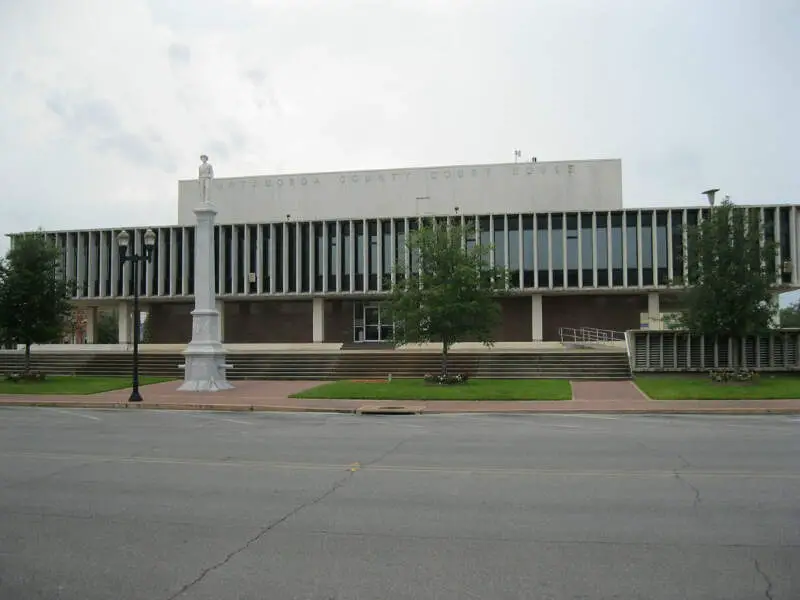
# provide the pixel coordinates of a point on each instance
(205, 176)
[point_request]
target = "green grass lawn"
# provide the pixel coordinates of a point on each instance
(73, 385)
(700, 387)
(416, 389)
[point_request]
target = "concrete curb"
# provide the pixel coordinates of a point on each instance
(168, 406)
(630, 411)
(390, 410)
(407, 411)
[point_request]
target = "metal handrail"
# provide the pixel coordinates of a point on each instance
(589, 335)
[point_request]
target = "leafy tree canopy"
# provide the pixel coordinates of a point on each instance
(732, 274)
(107, 331)
(449, 291)
(34, 299)
(790, 316)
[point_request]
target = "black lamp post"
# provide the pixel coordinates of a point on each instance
(123, 240)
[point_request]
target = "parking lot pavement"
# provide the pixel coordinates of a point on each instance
(100, 504)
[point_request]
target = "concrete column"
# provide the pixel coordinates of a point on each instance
(124, 324)
(654, 311)
(205, 367)
(318, 312)
(220, 306)
(537, 332)
(91, 325)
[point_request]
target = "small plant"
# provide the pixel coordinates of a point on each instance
(446, 379)
(732, 375)
(25, 376)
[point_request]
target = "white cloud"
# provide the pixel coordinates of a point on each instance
(107, 104)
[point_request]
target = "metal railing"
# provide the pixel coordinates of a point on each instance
(677, 350)
(589, 336)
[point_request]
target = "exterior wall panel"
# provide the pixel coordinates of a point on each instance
(395, 193)
(560, 252)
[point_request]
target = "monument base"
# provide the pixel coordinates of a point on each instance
(204, 370)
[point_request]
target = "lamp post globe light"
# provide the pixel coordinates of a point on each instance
(123, 241)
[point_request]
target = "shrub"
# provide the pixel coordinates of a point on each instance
(25, 376)
(446, 379)
(732, 375)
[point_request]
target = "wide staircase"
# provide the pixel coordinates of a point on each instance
(365, 364)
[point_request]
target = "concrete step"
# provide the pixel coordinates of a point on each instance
(366, 364)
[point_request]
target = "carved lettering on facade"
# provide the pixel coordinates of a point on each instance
(397, 176)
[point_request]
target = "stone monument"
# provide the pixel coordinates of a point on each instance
(205, 175)
(204, 370)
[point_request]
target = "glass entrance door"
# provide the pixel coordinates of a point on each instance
(371, 323)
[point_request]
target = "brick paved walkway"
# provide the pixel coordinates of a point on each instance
(607, 391)
(588, 397)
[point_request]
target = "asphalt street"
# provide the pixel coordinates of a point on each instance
(162, 505)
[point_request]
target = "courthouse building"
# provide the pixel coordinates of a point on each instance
(305, 258)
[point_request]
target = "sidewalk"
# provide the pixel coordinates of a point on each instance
(609, 397)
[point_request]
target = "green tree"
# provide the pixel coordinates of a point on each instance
(147, 331)
(732, 274)
(34, 298)
(107, 328)
(790, 316)
(449, 291)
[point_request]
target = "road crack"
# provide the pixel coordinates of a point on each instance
(265, 530)
(262, 532)
(389, 452)
(697, 498)
(768, 591)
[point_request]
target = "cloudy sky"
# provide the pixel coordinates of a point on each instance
(106, 104)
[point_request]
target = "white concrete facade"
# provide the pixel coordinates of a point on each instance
(559, 228)
(536, 318)
(318, 319)
(393, 193)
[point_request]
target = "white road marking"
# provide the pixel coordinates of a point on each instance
(73, 413)
(237, 421)
(209, 418)
(477, 470)
(586, 416)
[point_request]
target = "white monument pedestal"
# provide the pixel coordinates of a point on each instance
(205, 366)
